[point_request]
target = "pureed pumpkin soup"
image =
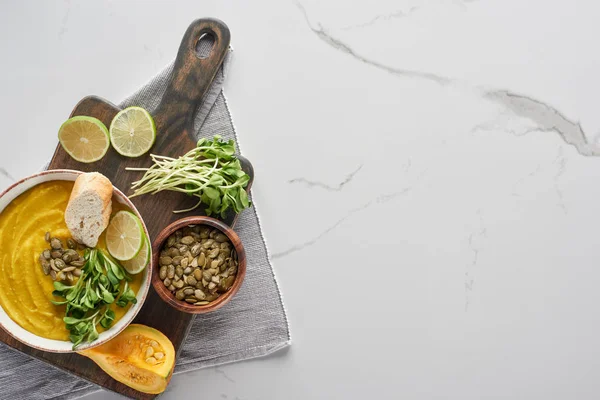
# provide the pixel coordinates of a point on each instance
(25, 291)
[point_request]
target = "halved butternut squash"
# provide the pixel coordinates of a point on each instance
(139, 357)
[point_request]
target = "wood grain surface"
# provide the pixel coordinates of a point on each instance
(192, 77)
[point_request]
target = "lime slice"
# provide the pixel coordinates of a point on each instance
(84, 138)
(132, 132)
(124, 236)
(139, 262)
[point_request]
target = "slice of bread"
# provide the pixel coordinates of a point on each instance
(89, 207)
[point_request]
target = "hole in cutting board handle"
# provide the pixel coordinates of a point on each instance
(204, 45)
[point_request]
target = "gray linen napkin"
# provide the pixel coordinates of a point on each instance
(249, 326)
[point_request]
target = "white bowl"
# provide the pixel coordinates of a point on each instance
(59, 346)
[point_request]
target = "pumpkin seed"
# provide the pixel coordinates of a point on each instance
(71, 243)
(173, 252)
(165, 260)
(77, 272)
(177, 260)
(212, 286)
(170, 272)
(176, 278)
(194, 262)
(201, 259)
(227, 282)
(188, 270)
(171, 241)
(180, 295)
(78, 263)
(47, 254)
(55, 243)
(225, 246)
(207, 275)
(47, 237)
(213, 253)
(53, 266)
(68, 269)
(204, 282)
(219, 237)
(212, 296)
(184, 263)
(179, 270)
(167, 282)
(191, 281)
(183, 248)
(195, 249)
(171, 288)
(179, 284)
(187, 240)
(70, 276)
(213, 233)
(204, 232)
(191, 300)
(46, 267)
(60, 264)
(198, 274)
(53, 275)
(202, 303)
(216, 279)
(56, 253)
(188, 291)
(199, 294)
(215, 264)
(163, 272)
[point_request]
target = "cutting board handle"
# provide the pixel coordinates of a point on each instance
(192, 75)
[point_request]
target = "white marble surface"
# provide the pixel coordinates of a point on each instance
(425, 171)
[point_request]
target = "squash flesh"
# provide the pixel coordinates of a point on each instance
(139, 357)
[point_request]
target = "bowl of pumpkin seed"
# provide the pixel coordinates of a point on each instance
(199, 264)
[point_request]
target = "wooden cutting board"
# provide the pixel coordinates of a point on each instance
(174, 117)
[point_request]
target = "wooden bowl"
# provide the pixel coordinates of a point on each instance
(169, 297)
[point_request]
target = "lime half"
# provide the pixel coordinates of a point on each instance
(139, 262)
(132, 132)
(124, 236)
(84, 138)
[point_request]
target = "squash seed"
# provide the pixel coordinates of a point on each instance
(151, 360)
(149, 351)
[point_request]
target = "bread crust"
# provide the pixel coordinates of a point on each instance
(101, 185)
